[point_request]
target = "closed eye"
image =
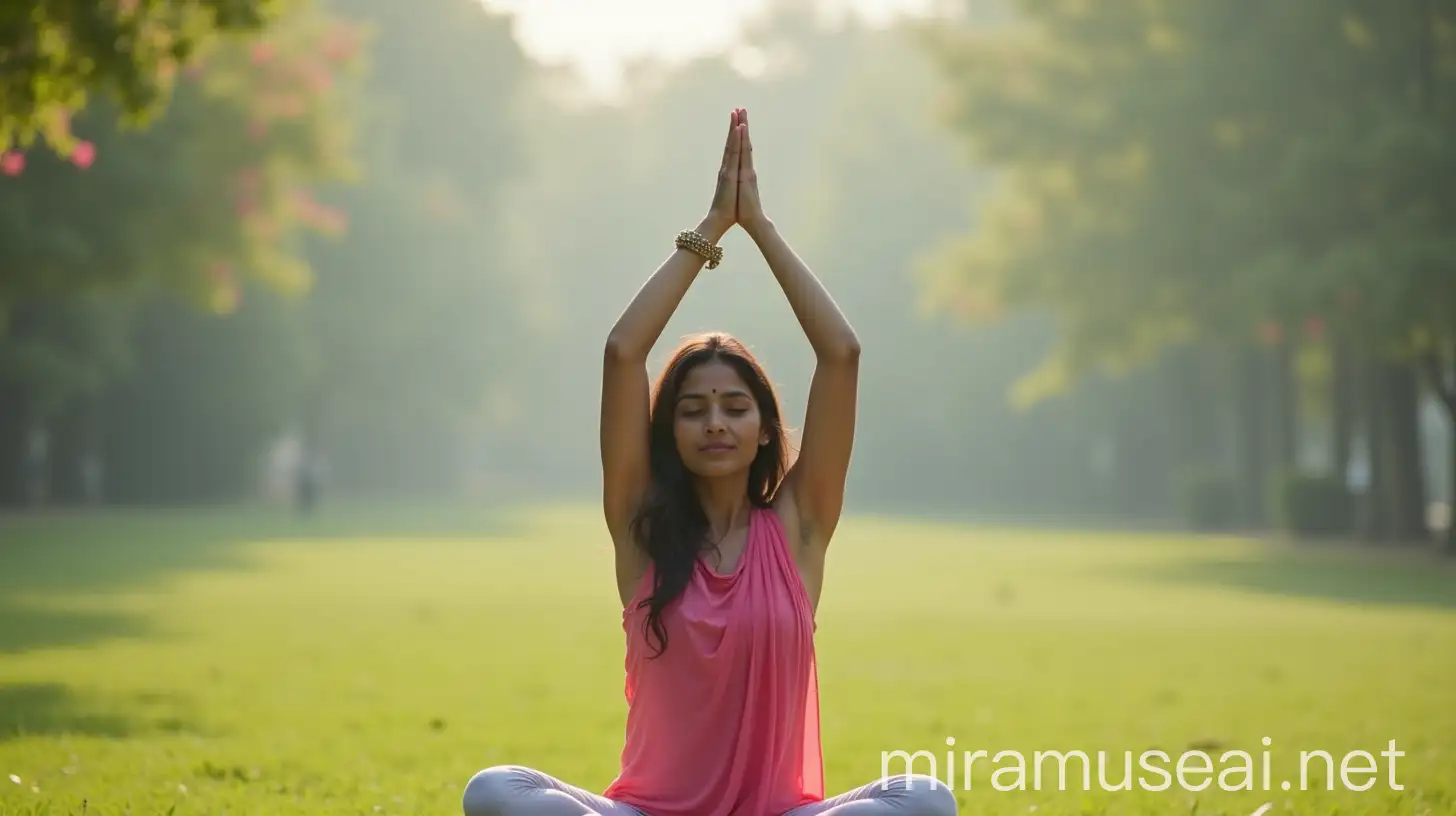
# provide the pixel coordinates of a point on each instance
(692, 412)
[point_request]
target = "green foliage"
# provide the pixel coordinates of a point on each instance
(58, 56)
(63, 348)
(187, 232)
(1309, 505)
(1171, 171)
(202, 204)
(213, 193)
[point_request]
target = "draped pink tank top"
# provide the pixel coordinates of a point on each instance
(726, 721)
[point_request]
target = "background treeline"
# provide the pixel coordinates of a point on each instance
(1157, 262)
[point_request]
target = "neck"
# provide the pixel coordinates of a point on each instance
(725, 503)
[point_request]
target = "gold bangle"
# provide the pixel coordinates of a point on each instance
(694, 242)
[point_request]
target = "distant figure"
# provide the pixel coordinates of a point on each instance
(1357, 473)
(308, 481)
(93, 477)
(35, 468)
(720, 544)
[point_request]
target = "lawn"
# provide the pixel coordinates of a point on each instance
(369, 660)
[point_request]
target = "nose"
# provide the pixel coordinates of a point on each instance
(715, 420)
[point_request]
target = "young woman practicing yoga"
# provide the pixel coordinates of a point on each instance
(720, 542)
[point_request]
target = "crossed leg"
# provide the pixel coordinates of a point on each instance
(910, 795)
(515, 790)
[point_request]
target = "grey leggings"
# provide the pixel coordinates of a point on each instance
(513, 790)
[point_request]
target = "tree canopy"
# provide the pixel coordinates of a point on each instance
(58, 56)
(213, 192)
(1173, 170)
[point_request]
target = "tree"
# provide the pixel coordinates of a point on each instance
(217, 188)
(1169, 174)
(55, 55)
(203, 204)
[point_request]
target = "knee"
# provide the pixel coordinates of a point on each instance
(491, 791)
(923, 795)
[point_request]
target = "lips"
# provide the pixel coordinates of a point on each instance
(717, 448)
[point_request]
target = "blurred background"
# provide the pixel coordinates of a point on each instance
(1187, 264)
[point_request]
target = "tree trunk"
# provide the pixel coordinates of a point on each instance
(1342, 410)
(1448, 398)
(1282, 404)
(13, 423)
(1180, 381)
(67, 444)
(1402, 491)
(1451, 488)
(1196, 413)
(1252, 437)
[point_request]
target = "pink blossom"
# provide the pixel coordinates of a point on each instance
(249, 178)
(290, 107)
(12, 162)
(340, 44)
(331, 220)
(262, 52)
(84, 155)
(246, 206)
(320, 216)
(318, 79)
(304, 201)
(265, 228)
(1314, 327)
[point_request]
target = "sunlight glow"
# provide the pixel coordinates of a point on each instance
(596, 39)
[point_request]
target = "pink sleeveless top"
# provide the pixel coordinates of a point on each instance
(726, 721)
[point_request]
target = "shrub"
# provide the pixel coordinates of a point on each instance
(1308, 506)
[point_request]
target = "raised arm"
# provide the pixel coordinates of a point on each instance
(625, 411)
(815, 482)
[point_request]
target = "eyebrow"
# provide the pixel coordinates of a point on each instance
(726, 394)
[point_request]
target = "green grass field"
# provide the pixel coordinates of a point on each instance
(212, 662)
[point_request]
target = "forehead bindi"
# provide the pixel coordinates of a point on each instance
(710, 393)
(718, 382)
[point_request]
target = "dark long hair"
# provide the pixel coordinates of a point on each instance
(671, 525)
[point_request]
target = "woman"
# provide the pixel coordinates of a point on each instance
(720, 549)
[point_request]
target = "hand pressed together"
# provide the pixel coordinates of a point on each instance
(736, 199)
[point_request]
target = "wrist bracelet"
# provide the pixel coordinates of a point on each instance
(694, 242)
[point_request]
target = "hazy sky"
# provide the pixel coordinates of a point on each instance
(595, 36)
